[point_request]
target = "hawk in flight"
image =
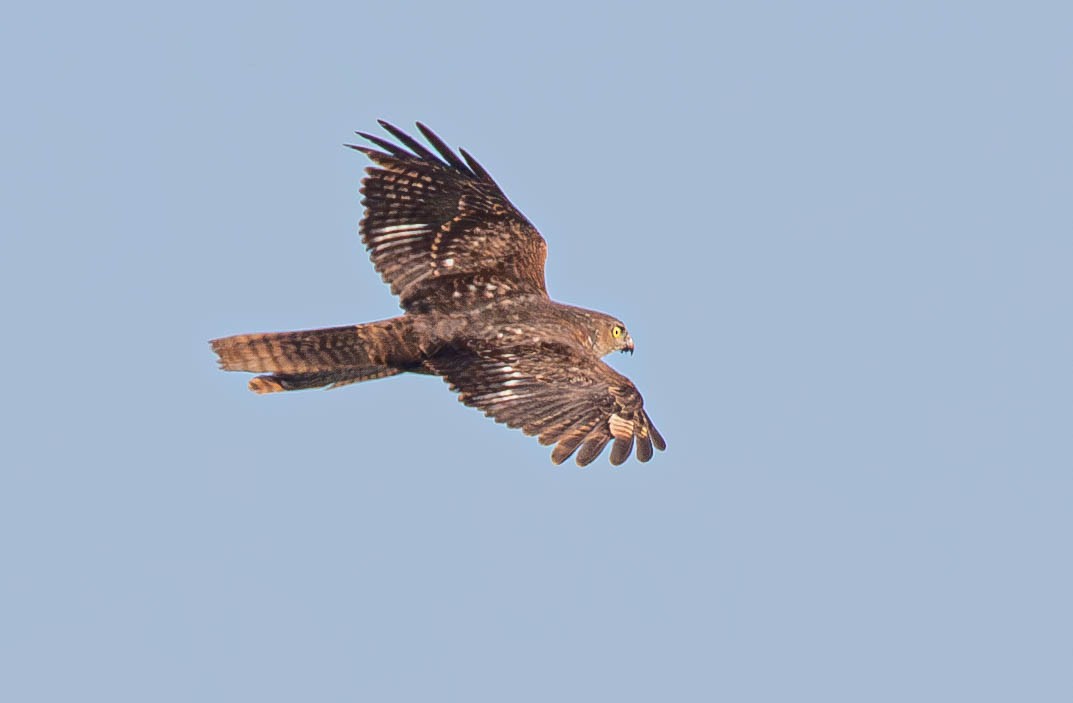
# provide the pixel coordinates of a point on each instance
(469, 272)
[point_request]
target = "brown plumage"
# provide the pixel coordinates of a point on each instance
(469, 272)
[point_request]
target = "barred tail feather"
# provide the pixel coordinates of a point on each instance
(326, 357)
(276, 383)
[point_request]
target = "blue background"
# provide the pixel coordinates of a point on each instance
(840, 234)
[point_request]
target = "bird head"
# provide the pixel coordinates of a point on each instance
(611, 335)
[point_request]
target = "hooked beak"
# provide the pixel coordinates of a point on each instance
(629, 344)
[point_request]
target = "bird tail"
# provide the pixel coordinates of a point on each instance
(333, 357)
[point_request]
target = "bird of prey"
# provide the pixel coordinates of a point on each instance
(468, 269)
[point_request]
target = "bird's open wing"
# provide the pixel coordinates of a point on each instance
(440, 231)
(548, 391)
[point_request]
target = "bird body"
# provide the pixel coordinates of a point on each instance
(469, 272)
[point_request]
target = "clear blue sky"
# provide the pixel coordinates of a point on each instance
(841, 235)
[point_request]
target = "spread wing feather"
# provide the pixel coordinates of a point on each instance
(440, 231)
(555, 394)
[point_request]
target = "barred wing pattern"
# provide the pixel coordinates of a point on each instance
(551, 391)
(440, 231)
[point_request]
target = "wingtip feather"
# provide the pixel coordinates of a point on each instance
(657, 438)
(620, 450)
(644, 449)
(592, 448)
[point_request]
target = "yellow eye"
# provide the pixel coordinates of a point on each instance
(617, 331)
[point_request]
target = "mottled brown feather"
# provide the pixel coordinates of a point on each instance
(565, 397)
(441, 232)
(334, 355)
(593, 446)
